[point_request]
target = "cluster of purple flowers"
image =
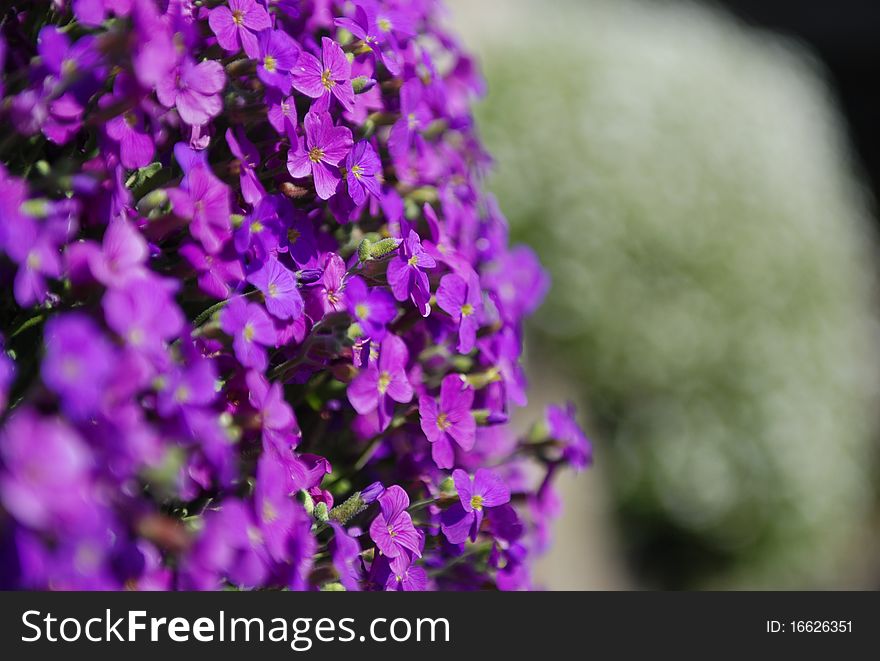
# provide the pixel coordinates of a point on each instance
(263, 327)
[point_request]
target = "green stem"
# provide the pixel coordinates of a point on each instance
(33, 321)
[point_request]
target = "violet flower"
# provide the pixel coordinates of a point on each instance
(406, 273)
(325, 78)
(463, 300)
(485, 490)
(361, 167)
(325, 146)
(448, 420)
(383, 382)
(238, 25)
(373, 309)
(194, 89)
(392, 530)
(279, 288)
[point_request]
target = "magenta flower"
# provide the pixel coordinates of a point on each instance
(248, 161)
(406, 273)
(392, 530)
(217, 274)
(448, 420)
(463, 301)
(194, 89)
(279, 288)
(329, 76)
(237, 25)
(129, 130)
(564, 428)
(346, 554)
(405, 576)
(204, 201)
(365, 26)
(373, 309)
(78, 362)
(325, 146)
(275, 415)
(121, 256)
(383, 382)
(35, 250)
(279, 54)
(281, 112)
(484, 490)
(142, 312)
(330, 292)
(251, 330)
(361, 167)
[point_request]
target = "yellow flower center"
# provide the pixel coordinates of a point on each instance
(248, 332)
(238, 17)
(269, 513)
(130, 118)
(293, 236)
(361, 311)
(384, 24)
(357, 171)
(70, 367)
(443, 422)
(33, 260)
(413, 261)
(273, 290)
(384, 382)
(270, 63)
(181, 395)
(326, 80)
(316, 154)
(467, 310)
(477, 502)
(135, 336)
(257, 227)
(333, 296)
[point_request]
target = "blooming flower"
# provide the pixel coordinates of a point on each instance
(563, 425)
(78, 362)
(392, 530)
(463, 301)
(373, 309)
(279, 288)
(448, 420)
(346, 558)
(237, 25)
(361, 167)
(406, 273)
(194, 90)
(278, 56)
(486, 489)
(329, 76)
(325, 146)
(36, 252)
(251, 329)
(143, 313)
(365, 26)
(249, 159)
(383, 382)
(204, 201)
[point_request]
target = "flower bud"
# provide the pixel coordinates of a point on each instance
(307, 501)
(369, 250)
(320, 512)
(372, 492)
(308, 276)
(362, 84)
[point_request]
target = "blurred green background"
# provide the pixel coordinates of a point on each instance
(689, 184)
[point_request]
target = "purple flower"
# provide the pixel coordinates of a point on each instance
(564, 428)
(406, 273)
(251, 330)
(448, 420)
(282, 112)
(330, 292)
(279, 54)
(373, 309)
(274, 414)
(194, 89)
(35, 250)
(204, 200)
(121, 256)
(237, 25)
(361, 167)
(325, 146)
(365, 26)
(188, 386)
(463, 520)
(392, 530)
(463, 300)
(217, 274)
(136, 147)
(279, 288)
(46, 481)
(518, 282)
(405, 576)
(248, 161)
(78, 362)
(346, 554)
(329, 76)
(142, 312)
(414, 117)
(383, 382)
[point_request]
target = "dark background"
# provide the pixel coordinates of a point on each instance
(845, 34)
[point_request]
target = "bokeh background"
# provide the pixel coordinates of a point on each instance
(700, 182)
